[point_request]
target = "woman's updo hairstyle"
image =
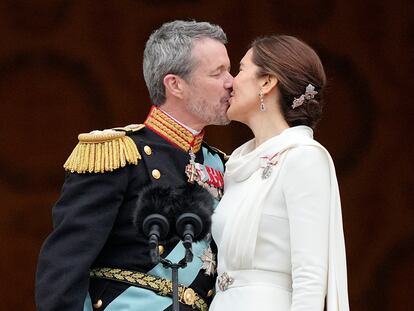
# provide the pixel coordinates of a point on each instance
(296, 65)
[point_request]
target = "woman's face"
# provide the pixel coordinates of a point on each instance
(245, 99)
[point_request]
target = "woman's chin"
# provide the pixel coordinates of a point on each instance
(230, 113)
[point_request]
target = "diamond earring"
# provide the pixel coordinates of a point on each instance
(262, 105)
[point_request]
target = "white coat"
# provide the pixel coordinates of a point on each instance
(278, 228)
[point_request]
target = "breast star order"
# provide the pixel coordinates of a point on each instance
(209, 261)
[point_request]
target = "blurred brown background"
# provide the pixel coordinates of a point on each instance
(73, 66)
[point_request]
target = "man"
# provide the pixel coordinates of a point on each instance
(94, 259)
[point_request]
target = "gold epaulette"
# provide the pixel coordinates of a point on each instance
(104, 151)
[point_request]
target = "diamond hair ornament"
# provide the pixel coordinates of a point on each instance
(309, 94)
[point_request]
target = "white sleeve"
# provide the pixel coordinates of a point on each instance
(306, 188)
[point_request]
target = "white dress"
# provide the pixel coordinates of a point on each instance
(278, 228)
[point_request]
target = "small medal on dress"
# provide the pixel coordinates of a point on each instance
(268, 163)
(267, 171)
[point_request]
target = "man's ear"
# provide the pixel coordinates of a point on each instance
(174, 85)
(268, 83)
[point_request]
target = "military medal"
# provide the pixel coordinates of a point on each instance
(268, 162)
(190, 169)
(209, 261)
(267, 166)
(207, 177)
(267, 171)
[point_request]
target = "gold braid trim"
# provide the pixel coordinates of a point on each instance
(186, 134)
(172, 131)
(102, 151)
(170, 134)
(159, 285)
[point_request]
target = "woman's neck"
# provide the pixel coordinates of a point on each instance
(267, 125)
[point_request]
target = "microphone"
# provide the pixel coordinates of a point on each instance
(158, 208)
(193, 213)
(153, 216)
(190, 207)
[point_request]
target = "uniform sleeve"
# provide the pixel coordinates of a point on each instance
(306, 187)
(82, 220)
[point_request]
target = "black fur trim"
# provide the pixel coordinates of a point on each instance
(195, 199)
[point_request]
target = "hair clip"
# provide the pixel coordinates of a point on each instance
(309, 94)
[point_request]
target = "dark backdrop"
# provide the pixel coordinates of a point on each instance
(73, 66)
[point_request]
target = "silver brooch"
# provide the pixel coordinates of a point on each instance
(267, 170)
(224, 281)
(268, 163)
(309, 94)
(209, 261)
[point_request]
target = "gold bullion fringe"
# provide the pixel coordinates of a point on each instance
(102, 156)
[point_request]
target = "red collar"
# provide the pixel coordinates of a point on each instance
(172, 131)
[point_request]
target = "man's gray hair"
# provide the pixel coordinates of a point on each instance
(168, 51)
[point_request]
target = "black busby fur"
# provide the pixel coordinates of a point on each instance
(173, 202)
(155, 200)
(195, 199)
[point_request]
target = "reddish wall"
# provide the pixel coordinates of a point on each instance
(72, 66)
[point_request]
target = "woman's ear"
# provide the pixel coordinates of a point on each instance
(268, 83)
(174, 85)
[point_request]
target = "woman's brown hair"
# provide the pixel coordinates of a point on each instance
(296, 65)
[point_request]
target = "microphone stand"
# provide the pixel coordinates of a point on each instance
(188, 257)
(156, 224)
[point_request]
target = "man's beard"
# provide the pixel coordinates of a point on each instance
(210, 115)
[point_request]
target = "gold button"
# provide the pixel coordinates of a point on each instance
(156, 174)
(210, 293)
(189, 296)
(98, 304)
(161, 249)
(148, 150)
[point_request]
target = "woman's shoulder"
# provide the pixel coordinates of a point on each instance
(307, 151)
(304, 156)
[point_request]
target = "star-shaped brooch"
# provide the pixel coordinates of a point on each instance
(209, 261)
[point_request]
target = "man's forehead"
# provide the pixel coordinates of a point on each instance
(210, 51)
(208, 46)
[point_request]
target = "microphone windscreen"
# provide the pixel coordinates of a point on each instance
(195, 199)
(154, 200)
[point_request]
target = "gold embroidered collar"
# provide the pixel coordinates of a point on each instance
(172, 131)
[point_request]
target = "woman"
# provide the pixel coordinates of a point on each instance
(278, 226)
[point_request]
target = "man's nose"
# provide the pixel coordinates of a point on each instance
(228, 82)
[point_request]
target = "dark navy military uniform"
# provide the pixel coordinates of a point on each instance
(93, 226)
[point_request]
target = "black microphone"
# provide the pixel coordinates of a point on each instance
(193, 213)
(153, 216)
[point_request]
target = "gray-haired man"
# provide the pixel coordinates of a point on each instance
(94, 259)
